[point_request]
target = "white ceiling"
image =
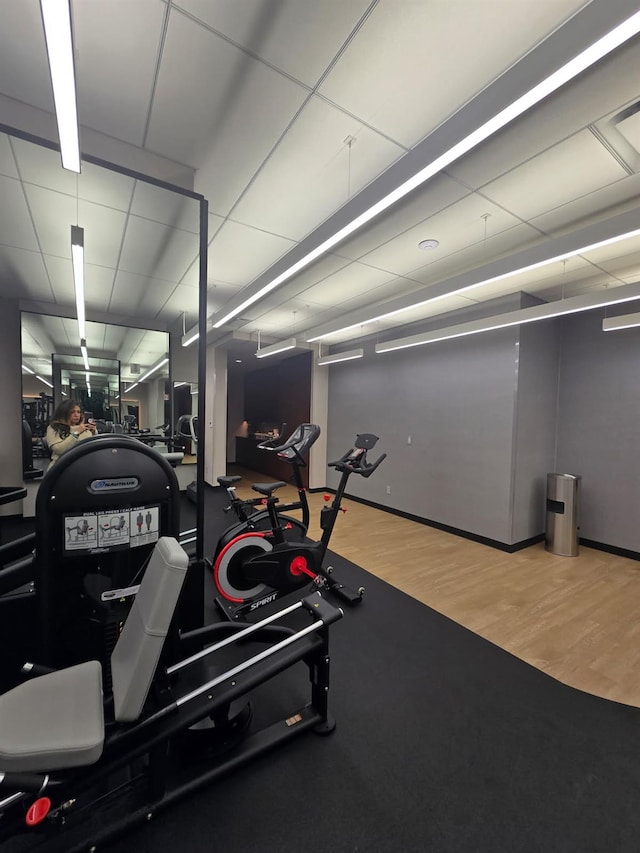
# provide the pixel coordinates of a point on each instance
(288, 114)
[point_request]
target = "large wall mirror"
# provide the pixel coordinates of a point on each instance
(142, 244)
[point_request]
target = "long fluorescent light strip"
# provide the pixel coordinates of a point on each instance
(603, 46)
(56, 17)
(46, 382)
(190, 337)
(349, 355)
(274, 349)
(546, 311)
(626, 321)
(572, 254)
(147, 374)
(85, 355)
(77, 260)
(28, 369)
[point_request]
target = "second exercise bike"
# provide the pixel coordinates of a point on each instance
(256, 567)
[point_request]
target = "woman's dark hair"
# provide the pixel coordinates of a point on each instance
(61, 416)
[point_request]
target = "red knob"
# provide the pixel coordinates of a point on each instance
(38, 811)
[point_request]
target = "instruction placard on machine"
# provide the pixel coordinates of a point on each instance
(112, 529)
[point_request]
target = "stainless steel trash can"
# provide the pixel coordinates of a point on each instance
(561, 535)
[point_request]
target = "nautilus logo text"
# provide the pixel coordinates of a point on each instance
(115, 484)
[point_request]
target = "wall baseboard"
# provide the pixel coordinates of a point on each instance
(446, 528)
(610, 549)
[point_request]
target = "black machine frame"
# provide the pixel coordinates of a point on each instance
(139, 773)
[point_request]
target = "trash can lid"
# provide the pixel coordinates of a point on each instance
(568, 476)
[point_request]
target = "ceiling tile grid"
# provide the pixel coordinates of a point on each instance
(300, 37)
(414, 57)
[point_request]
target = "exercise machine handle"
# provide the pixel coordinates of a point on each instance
(369, 468)
(357, 465)
(354, 460)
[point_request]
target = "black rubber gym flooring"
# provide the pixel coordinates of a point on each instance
(444, 742)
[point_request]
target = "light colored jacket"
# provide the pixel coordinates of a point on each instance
(58, 445)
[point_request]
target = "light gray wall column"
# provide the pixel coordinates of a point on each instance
(535, 426)
(320, 377)
(11, 396)
(215, 462)
(599, 426)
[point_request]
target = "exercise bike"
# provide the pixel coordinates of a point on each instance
(256, 567)
(252, 513)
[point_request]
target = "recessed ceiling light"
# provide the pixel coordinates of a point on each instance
(238, 361)
(428, 244)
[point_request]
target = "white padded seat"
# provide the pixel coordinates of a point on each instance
(54, 721)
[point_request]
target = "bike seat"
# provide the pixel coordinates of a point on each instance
(229, 481)
(267, 489)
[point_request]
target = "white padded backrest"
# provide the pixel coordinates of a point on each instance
(136, 654)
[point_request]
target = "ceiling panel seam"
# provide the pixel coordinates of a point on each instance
(156, 73)
(31, 219)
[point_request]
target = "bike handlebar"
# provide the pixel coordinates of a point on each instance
(354, 461)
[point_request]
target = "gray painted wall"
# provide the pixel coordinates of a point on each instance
(535, 426)
(599, 427)
(489, 416)
(456, 400)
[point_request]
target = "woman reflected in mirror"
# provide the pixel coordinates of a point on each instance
(67, 426)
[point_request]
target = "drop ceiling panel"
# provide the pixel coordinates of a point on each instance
(218, 294)
(61, 331)
(609, 86)
(22, 71)
(117, 46)
(16, 227)
(325, 267)
(217, 123)
(615, 251)
(458, 226)
(615, 198)
(105, 187)
(229, 260)
(23, 275)
(60, 274)
(425, 202)
(476, 254)
(99, 286)
(573, 168)
(183, 300)
(42, 167)
(412, 89)
(7, 161)
(103, 229)
(629, 127)
(169, 208)
(137, 295)
(348, 283)
(146, 347)
(327, 172)
(299, 36)
(53, 214)
(157, 251)
(421, 312)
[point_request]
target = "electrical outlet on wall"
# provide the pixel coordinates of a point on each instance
(388, 490)
(408, 439)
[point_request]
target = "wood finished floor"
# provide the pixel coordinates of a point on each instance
(575, 618)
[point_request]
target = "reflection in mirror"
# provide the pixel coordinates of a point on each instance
(141, 242)
(121, 381)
